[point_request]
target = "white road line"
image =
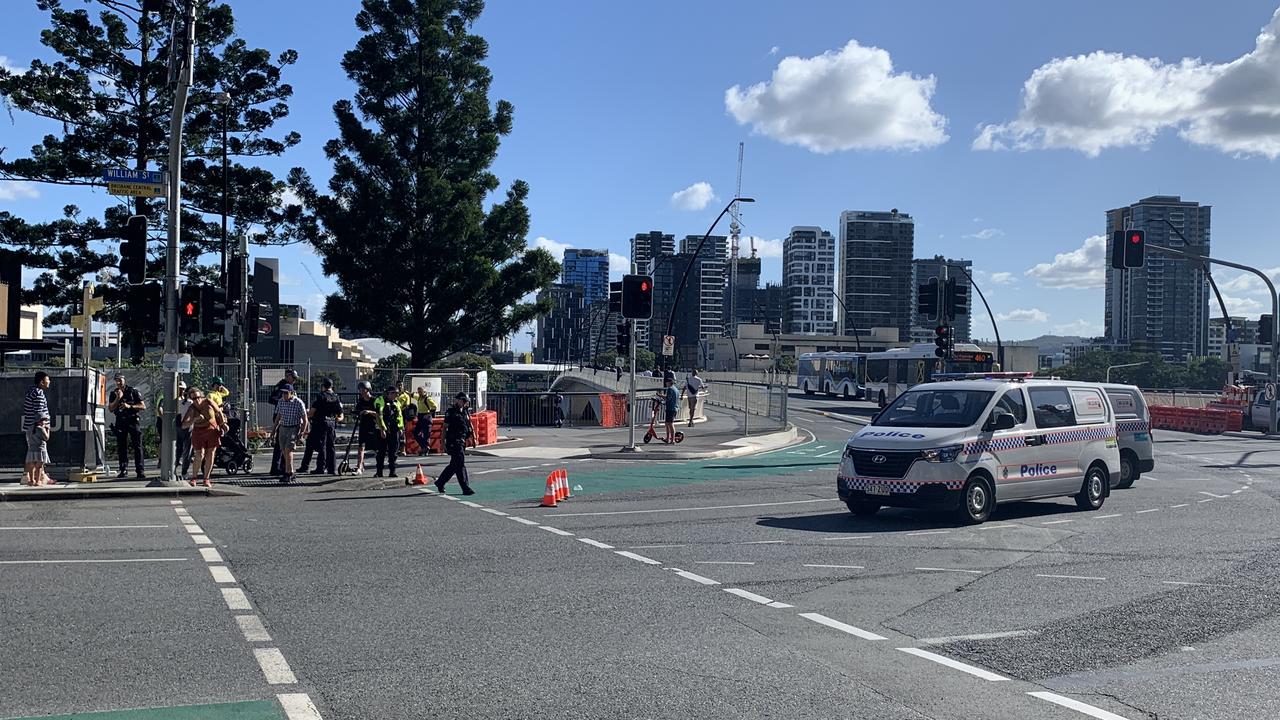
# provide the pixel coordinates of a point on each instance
(194, 529)
(780, 605)
(202, 539)
(87, 562)
(651, 547)
(959, 570)
(182, 512)
(849, 537)
(1143, 512)
(979, 636)
(524, 467)
(762, 542)
(1057, 522)
(1206, 500)
(210, 555)
(1076, 705)
(252, 629)
(842, 627)
(557, 531)
(1179, 582)
(696, 509)
(838, 567)
(298, 706)
(80, 527)
(997, 527)
(954, 664)
(274, 667)
(236, 599)
(595, 543)
(468, 503)
(521, 520)
(491, 511)
(748, 595)
(175, 502)
(221, 574)
(486, 472)
(1178, 506)
(641, 558)
(1205, 492)
(1104, 517)
(1072, 577)
(1152, 477)
(1236, 492)
(721, 562)
(833, 452)
(188, 520)
(693, 576)
(929, 532)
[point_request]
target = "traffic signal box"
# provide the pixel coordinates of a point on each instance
(189, 310)
(637, 297)
(623, 347)
(1128, 249)
(927, 298)
(615, 297)
(943, 340)
(133, 250)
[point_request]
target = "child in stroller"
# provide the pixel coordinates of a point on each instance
(232, 454)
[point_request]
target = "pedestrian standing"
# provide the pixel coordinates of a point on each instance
(126, 406)
(558, 410)
(390, 419)
(218, 392)
(422, 425)
(366, 423)
(290, 379)
(290, 424)
(206, 421)
(457, 431)
(36, 425)
(183, 456)
(672, 397)
(692, 386)
(326, 413)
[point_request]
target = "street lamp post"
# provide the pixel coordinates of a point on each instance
(1116, 367)
(857, 342)
(224, 99)
(996, 328)
(675, 301)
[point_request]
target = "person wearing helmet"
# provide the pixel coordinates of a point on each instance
(390, 420)
(218, 391)
(367, 423)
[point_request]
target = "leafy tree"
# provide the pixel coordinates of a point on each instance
(418, 260)
(395, 361)
(1199, 373)
(468, 360)
(787, 363)
(645, 359)
(108, 94)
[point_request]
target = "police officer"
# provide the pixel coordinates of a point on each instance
(126, 405)
(390, 419)
(457, 431)
(326, 413)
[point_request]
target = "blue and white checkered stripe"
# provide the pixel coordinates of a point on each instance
(1005, 443)
(895, 486)
(1133, 426)
(1100, 432)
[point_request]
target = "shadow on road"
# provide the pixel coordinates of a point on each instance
(365, 497)
(909, 519)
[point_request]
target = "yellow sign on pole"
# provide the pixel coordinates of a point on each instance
(135, 189)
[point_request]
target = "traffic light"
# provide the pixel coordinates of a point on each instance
(255, 315)
(615, 297)
(235, 277)
(214, 318)
(637, 297)
(1266, 330)
(1128, 249)
(133, 249)
(943, 340)
(145, 303)
(189, 310)
(927, 298)
(623, 346)
(957, 298)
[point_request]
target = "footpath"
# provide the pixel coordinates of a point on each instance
(12, 489)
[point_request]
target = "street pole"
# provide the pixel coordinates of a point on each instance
(631, 393)
(225, 100)
(1116, 367)
(185, 65)
(242, 342)
(996, 328)
(857, 342)
(1275, 315)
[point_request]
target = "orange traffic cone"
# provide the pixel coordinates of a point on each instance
(419, 478)
(562, 481)
(550, 495)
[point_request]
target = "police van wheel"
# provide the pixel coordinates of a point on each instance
(863, 507)
(1094, 491)
(977, 501)
(1128, 471)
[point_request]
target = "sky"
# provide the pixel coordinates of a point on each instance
(1005, 128)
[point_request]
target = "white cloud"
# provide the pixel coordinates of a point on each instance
(288, 197)
(1035, 315)
(977, 219)
(695, 197)
(986, 234)
(1002, 278)
(18, 190)
(764, 248)
(843, 99)
(1079, 327)
(773, 50)
(1104, 99)
(1083, 268)
(10, 67)
(1245, 306)
(1246, 283)
(555, 248)
(619, 265)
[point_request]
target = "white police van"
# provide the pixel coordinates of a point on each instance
(1133, 430)
(987, 438)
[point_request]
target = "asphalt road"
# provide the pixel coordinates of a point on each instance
(719, 588)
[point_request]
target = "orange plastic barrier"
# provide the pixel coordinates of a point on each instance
(1207, 421)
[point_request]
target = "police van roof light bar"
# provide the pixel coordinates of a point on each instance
(984, 376)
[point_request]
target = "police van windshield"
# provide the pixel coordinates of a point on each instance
(935, 408)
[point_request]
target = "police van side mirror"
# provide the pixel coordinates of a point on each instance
(1002, 420)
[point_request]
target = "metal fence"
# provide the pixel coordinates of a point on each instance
(763, 407)
(575, 409)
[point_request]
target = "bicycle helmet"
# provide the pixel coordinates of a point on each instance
(365, 385)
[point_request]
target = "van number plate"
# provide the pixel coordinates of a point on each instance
(877, 489)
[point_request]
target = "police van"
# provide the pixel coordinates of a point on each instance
(970, 441)
(1133, 430)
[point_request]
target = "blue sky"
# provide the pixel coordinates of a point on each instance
(1005, 128)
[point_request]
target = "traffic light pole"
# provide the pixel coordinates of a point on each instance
(1275, 317)
(169, 430)
(631, 394)
(242, 340)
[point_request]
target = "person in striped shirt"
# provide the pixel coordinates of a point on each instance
(35, 425)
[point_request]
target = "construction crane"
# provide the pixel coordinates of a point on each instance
(735, 229)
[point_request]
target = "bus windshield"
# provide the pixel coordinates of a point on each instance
(924, 408)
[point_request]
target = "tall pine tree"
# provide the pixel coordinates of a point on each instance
(418, 260)
(108, 95)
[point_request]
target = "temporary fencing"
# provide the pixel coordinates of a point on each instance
(1208, 421)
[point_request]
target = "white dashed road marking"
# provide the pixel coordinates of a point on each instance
(87, 562)
(81, 527)
(1215, 495)
(521, 520)
(298, 706)
(1073, 577)
(193, 528)
(468, 503)
(959, 570)
(251, 627)
(929, 532)
(979, 636)
(641, 558)
(221, 574)
(954, 664)
(595, 543)
(491, 511)
(236, 599)
(693, 576)
(849, 537)
(721, 562)
(1076, 705)
(842, 627)
(695, 509)
(210, 555)
(1058, 522)
(748, 595)
(1178, 506)
(202, 539)
(274, 667)
(1141, 512)
(838, 567)
(557, 531)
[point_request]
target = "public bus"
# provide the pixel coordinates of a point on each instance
(894, 370)
(831, 373)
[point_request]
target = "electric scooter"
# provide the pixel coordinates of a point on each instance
(344, 467)
(650, 434)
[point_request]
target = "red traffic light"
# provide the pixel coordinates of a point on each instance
(941, 330)
(1135, 238)
(644, 286)
(189, 310)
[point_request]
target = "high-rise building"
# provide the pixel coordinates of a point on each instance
(876, 249)
(922, 328)
(684, 317)
(588, 268)
(1244, 331)
(1162, 307)
(809, 276)
(739, 295)
(709, 283)
(562, 332)
(645, 249)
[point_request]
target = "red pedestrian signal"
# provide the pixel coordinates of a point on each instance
(189, 310)
(1128, 249)
(637, 297)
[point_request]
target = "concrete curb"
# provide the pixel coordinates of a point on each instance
(88, 492)
(1250, 436)
(761, 443)
(835, 416)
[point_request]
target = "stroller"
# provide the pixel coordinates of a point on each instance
(650, 434)
(232, 455)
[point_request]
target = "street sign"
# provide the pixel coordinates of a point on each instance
(121, 175)
(1271, 391)
(134, 189)
(668, 345)
(179, 363)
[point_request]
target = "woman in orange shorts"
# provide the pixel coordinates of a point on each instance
(207, 423)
